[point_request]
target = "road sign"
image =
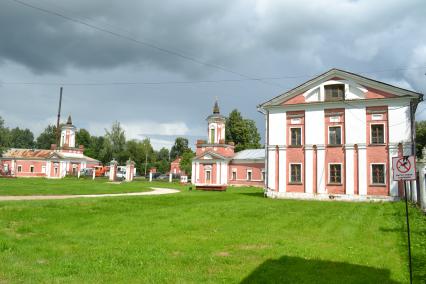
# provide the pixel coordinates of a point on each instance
(404, 168)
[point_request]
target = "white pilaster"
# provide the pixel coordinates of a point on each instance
(350, 170)
(362, 170)
(321, 177)
(282, 175)
(309, 169)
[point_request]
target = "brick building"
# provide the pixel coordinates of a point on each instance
(216, 165)
(334, 136)
(54, 163)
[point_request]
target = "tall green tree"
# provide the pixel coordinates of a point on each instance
(4, 136)
(82, 137)
(243, 132)
(180, 146)
(420, 137)
(47, 137)
(21, 138)
(186, 162)
(163, 163)
(116, 140)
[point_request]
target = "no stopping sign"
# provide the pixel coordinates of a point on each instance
(404, 168)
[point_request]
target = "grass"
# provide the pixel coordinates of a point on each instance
(194, 237)
(41, 186)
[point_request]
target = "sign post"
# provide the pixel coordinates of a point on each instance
(404, 169)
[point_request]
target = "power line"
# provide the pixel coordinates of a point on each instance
(137, 41)
(118, 83)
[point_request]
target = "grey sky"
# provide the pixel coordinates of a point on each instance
(385, 40)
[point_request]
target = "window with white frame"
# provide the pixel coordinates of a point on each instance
(263, 175)
(19, 169)
(335, 135)
(334, 92)
(335, 173)
(295, 173)
(378, 175)
(31, 169)
(249, 174)
(296, 136)
(377, 134)
(234, 174)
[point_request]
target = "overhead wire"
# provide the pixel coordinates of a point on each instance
(139, 42)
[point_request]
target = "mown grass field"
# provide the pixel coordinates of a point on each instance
(41, 186)
(195, 237)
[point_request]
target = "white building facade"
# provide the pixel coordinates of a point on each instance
(334, 137)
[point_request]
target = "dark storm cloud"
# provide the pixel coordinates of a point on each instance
(253, 38)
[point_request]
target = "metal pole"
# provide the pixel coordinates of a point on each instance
(59, 118)
(146, 160)
(408, 232)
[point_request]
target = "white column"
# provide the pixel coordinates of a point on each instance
(218, 172)
(309, 169)
(282, 174)
(393, 187)
(93, 174)
(349, 170)
(193, 173)
(422, 196)
(197, 172)
(150, 176)
(224, 173)
(362, 169)
(271, 169)
(321, 168)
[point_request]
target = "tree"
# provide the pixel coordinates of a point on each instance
(162, 164)
(163, 154)
(116, 141)
(4, 136)
(243, 132)
(47, 137)
(420, 137)
(186, 162)
(82, 137)
(180, 146)
(21, 138)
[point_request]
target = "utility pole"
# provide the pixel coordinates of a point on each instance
(58, 131)
(146, 160)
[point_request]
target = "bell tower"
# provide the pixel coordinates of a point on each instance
(216, 126)
(68, 134)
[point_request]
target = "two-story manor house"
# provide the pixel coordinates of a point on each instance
(335, 135)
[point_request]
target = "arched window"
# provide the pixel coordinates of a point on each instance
(212, 133)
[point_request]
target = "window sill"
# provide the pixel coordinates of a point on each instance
(376, 144)
(378, 184)
(334, 145)
(334, 184)
(295, 146)
(294, 183)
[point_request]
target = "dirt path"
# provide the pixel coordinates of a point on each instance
(156, 191)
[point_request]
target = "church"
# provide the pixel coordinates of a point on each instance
(216, 165)
(67, 159)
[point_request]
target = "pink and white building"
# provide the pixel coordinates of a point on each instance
(216, 165)
(334, 137)
(54, 163)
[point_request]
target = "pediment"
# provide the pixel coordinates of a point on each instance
(356, 87)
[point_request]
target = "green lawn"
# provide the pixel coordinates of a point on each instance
(194, 237)
(41, 186)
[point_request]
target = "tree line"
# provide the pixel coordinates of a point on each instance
(114, 145)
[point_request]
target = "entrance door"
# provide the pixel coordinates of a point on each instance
(208, 176)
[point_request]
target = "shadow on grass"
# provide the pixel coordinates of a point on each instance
(298, 270)
(253, 194)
